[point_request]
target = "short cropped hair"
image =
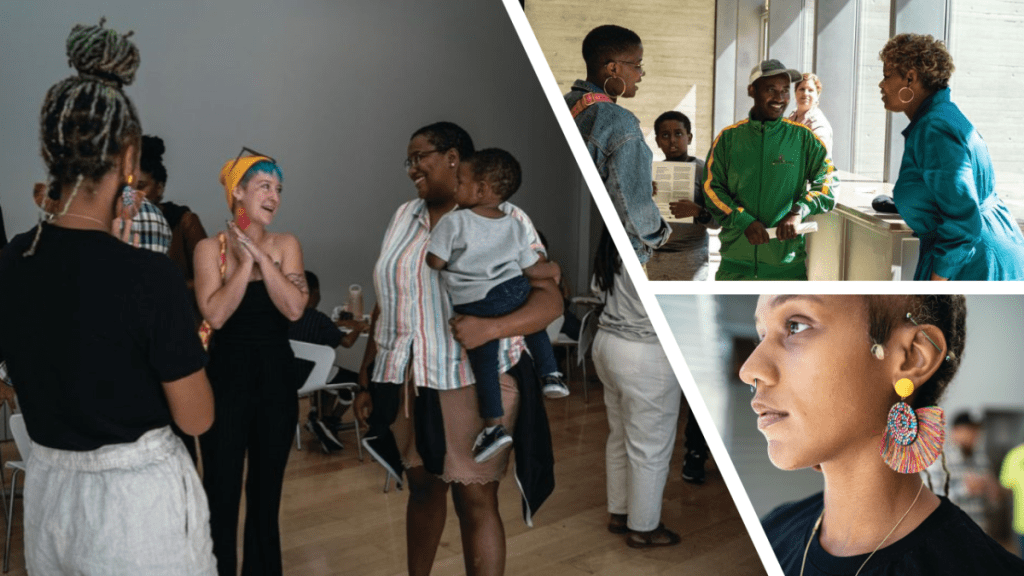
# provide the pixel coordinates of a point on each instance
(923, 53)
(603, 43)
(673, 115)
(445, 136)
(498, 168)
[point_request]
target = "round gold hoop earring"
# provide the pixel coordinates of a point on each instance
(605, 86)
(900, 95)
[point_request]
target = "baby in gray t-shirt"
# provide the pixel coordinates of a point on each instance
(487, 259)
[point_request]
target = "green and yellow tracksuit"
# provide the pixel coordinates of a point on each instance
(759, 171)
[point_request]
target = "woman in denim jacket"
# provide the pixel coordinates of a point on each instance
(612, 134)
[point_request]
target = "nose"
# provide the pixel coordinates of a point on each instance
(757, 368)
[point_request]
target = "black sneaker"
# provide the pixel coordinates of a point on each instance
(693, 467)
(326, 445)
(488, 444)
(378, 450)
(328, 436)
(553, 386)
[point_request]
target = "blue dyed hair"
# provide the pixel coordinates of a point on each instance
(264, 166)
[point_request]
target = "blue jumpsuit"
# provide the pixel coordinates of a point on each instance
(946, 194)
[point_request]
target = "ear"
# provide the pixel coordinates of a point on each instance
(911, 76)
(484, 188)
(451, 157)
(750, 90)
(128, 159)
(917, 359)
(689, 139)
(238, 193)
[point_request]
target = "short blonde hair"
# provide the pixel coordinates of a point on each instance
(810, 76)
(923, 53)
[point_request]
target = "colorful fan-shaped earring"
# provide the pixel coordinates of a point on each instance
(913, 438)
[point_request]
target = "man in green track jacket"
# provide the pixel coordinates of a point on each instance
(758, 171)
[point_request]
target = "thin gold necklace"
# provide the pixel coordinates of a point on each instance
(100, 222)
(818, 524)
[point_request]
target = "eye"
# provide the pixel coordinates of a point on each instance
(795, 327)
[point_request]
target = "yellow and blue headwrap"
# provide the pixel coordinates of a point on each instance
(234, 170)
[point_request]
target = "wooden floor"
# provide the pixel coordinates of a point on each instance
(335, 518)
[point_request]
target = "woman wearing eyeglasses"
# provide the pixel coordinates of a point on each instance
(614, 58)
(250, 284)
(413, 343)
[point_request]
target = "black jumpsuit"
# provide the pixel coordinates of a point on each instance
(256, 411)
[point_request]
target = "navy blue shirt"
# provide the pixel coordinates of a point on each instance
(947, 542)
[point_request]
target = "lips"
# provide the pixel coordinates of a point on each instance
(767, 415)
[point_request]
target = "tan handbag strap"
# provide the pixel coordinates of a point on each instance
(223, 255)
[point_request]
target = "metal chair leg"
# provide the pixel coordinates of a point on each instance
(3, 482)
(387, 481)
(10, 518)
(586, 394)
(359, 441)
(298, 442)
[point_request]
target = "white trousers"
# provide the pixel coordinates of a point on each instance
(641, 396)
(124, 509)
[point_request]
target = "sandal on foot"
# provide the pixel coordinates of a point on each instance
(660, 536)
(617, 524)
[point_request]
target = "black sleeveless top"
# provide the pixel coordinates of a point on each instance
(255, 321)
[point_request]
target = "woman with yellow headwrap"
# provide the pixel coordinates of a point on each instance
(249, 285)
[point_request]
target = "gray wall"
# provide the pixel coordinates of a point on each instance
(332, 90)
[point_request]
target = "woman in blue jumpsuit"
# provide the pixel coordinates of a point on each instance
(946, 187)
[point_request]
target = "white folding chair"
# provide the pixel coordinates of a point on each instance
(322, 358)
(24, 444)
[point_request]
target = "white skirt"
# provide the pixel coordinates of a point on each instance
(132, 509)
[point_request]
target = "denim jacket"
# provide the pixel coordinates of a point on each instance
(613, 137)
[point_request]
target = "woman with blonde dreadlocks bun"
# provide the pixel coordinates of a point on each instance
(109, 490)
(848, 386)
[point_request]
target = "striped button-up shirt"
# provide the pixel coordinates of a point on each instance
(412, 334)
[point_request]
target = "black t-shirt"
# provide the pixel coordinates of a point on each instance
(947, 542)
(91, 328)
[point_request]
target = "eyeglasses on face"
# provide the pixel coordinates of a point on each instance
(638, 65)
(415, 158)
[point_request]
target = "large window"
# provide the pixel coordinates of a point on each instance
(988, 85)
(870, 116)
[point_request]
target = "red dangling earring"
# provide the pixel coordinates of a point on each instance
(913, 438)
(243, 220)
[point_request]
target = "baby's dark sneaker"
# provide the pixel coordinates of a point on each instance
(489, 442)
(554, 386)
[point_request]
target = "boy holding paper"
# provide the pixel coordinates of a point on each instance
(690, 239)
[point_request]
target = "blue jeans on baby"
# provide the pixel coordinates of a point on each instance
(500, 300)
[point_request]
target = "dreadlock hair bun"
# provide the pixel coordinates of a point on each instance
(103, 53)
(87, 119)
